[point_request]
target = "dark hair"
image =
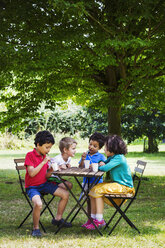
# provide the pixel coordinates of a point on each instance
(100, 138)
(43, 137)
(66, 142)
(115, 144)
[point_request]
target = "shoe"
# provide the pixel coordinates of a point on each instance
(61, 222)
(36, 233)
(87, 223)
(99, 224)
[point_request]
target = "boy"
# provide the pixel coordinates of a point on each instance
(96, 142)
(36, 163)
(67, 148)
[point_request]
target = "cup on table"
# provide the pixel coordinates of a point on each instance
(87, 163)
(95, 167)
(54, 166)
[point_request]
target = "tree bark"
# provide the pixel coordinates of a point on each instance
(114, 120)
(152, 145)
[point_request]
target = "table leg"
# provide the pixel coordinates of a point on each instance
(80, 207)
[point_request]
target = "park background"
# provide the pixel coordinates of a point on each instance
(73, 68)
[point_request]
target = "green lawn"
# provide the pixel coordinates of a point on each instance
(147, 212)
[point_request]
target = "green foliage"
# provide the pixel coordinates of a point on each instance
(12, 142)
(139, 123)
(101, 53)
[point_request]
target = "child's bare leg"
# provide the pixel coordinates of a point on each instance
(99, 205)
(93, 205)
(36, 211)
(64, 195)
(69, 184)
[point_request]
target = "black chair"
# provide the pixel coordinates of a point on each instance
(138, 173)
(20, 167)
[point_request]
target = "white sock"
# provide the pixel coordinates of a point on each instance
(93, 216)
(99, 217)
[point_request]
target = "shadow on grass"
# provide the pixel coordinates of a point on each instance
(143, 212)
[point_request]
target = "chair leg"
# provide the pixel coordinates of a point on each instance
(47, 207)
(122, 213)
(107, 224)
(43, 228)
(29, 212)
(25, 218)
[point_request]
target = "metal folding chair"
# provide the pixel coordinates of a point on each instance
(138, 173)
(20, 167)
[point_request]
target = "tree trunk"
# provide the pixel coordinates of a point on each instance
(152, 145)
(114, 120)
(144, 145)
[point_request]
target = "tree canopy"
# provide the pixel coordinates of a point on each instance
(104, 54)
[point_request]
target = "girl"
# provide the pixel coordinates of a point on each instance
(120, 175)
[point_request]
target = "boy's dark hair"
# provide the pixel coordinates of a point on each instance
(100, 138)
(66, 142)
(115, 144)
(43, 137)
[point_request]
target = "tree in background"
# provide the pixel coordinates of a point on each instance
(71, 119)
(104, 54)
(149, 125)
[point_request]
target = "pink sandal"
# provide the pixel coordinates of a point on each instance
(99, 224)
(87, 223)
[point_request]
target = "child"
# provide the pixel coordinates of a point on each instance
(96, 142)
(36, 163)
(67, 148)
(120, 175)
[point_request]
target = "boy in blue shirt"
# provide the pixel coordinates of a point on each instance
(96, 142)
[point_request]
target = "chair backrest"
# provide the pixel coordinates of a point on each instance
(20, 167)
(138, 173)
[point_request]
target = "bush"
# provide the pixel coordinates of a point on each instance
(10, 141)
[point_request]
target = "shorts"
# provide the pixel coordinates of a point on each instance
(46, 187)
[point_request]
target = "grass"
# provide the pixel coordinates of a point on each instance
(147, 212)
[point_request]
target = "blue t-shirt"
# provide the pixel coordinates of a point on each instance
(95, 158)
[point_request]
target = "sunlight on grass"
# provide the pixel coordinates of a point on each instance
(147, 213)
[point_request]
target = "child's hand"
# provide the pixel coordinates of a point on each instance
(63, 167)
(68, 166)
(83, 157)
(101, 163)
(46, 159)
(90, 166)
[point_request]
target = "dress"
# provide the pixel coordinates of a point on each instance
(121, 179)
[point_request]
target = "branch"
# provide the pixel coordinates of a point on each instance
(137, 55)
(94, 19)
(156, 28)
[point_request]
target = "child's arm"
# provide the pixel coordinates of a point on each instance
(34, 171)
(49, 172)
(101, 163)
(83, 157)
(112, 163)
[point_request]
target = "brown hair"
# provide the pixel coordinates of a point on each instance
(66, 142)
(115, 144)
(99, 137)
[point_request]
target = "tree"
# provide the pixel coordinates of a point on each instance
(104, 54)
(149, 125)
